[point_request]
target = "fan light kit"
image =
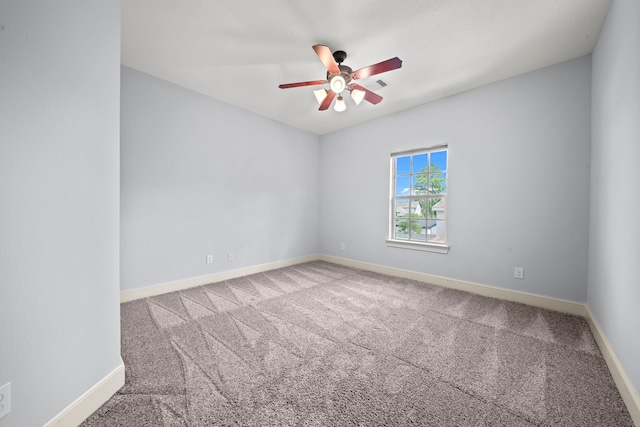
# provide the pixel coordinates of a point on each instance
(340, 77)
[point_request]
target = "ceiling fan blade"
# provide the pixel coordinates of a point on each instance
(325, 55)
(327, 100)
(370, 96)
(300, 84)
(380, 67)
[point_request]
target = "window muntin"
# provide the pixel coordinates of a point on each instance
(419, 192)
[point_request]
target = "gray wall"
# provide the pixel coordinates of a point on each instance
(59, 201)
(614, 245)
(518, 184)
(202, 177)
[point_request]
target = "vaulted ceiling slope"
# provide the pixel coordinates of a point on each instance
(240, 51)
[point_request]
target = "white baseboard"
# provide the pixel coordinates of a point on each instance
(85, 405)
(623, 382)
(555, 304)
(179, 285)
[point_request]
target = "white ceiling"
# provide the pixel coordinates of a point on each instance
(240, 51)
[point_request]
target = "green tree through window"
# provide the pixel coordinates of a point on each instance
(430, 181)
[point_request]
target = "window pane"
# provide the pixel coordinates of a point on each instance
(402, 208)
(417, 208)
(420, 184)
(438, 183)
(401, 230)
(402, 185)
(419, 163)
(403, 165)
(439, 159)
(435, 233)
(435, 207)
(419, 230)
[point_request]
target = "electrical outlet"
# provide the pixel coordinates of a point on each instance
(5, 399)
(518, 273)
(209, 259)
(230, 256)
(343, 247)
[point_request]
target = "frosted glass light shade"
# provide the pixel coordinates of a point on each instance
(340, 105)
(320, 94)
(357, 96)
(338, 84)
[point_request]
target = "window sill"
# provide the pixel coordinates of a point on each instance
(428, 247)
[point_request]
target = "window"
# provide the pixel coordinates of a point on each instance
(419, 199)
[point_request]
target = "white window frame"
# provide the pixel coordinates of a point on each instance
(412, 244)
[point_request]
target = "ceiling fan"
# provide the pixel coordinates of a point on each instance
(340, 78)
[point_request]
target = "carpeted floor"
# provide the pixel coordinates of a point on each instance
(319, 344)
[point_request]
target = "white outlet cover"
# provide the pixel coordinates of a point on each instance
(5, 399)
(518, 273)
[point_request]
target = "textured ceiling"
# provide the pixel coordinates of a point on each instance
(240, 51)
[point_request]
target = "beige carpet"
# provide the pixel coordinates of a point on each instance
(320, 344)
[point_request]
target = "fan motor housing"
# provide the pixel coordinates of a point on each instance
(345, 72)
